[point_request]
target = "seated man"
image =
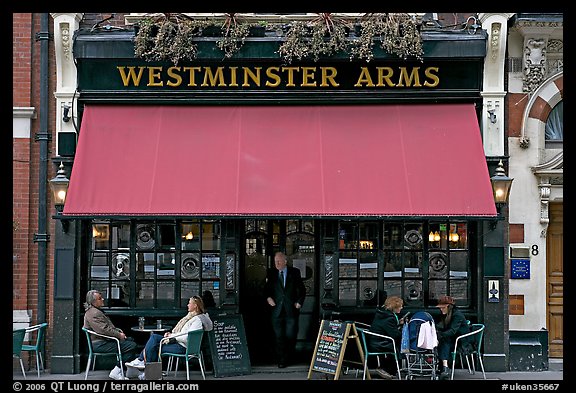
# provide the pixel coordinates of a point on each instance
(96, 320)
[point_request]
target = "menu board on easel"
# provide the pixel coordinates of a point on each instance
(330, 348)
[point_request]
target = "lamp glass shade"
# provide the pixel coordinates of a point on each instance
(59, 186)
(501, 185)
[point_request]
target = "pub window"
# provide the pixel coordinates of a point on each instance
(154, 264)
(358, 263)
(417, 261)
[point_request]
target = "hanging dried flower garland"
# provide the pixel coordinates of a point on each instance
(174, 36)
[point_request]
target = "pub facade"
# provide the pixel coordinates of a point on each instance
(186, 177)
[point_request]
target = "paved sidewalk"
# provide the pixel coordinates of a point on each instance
(300, 372)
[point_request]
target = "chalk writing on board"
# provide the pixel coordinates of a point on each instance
(329, 348)
(227, 341)
(228, 346)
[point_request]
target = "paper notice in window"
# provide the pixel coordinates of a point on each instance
(300, 264)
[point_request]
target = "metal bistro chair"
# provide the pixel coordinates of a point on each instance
(475, 338)
(193, 351)
(92, 354)
(38, 346)
(362, 332)
(17, 341)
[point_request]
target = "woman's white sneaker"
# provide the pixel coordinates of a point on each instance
(136, 363)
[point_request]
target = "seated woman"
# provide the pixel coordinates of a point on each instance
(451, 325)
(386, 322)
(196, 319)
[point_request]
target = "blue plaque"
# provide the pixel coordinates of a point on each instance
(520, 268)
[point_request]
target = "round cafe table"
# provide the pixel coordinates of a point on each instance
(152, 329)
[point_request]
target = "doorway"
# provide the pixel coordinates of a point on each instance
(555, 281)
(261, 240)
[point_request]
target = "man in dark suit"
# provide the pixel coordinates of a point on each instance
(285, 292)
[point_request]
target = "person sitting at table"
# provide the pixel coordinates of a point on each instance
(387, 323)
(95, 319)
(196, 319)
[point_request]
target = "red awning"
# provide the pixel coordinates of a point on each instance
(354, 160)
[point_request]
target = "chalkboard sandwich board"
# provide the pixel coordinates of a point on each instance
(331, 347)
(228, 346)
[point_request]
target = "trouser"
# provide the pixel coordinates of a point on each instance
(153, 345)
(445, 346)
(127, 348)
(285, 332)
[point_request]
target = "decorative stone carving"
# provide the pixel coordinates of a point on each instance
(544, 187)
(495, 39)
(555, 46)
(547, 173)
(534, 64)
(65, 34)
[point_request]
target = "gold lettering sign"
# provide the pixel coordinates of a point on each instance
(275, 77)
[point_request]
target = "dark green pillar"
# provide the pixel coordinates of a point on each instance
(495, 296)
(67, 303)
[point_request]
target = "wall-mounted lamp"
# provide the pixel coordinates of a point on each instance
(492, 115)
(59, 187)
(501, 185)
(66, 113)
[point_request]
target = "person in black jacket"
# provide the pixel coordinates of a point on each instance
(452, 324)
(387, 322)
(285, 292)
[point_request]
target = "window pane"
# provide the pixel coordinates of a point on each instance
(121, 236)
(145, 236)
(554, 129)
(145, 294)
(166, 265)
(393, 288)
(368, 291)
(437, 288)
(459, 265)
(347, 264)
(348, 235)
(121, 265)
(368, 264)
(413, 236)
(412, 264)
(211, 236)
(190, 237)
(187, 290)
(347, 292)
(165, 294)
(413, 295)
(458, 236)
(368, 236)
(210, 265)
(437, 237)
(100, 268)
(438, 262)
(393, 264)
(167, 235)
(459, 291)
(213, 288)
(190, 266)
(144, 265)
(100, 237)
(392, 235)
(119, 295)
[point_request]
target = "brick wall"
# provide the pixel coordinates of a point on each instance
(25, 170)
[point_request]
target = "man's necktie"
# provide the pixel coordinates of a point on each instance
(282, 278)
